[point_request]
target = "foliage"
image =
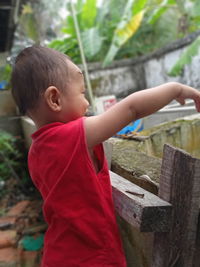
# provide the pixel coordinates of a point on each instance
(129, 24)
(101, 28)
(5, 74)
(192, 23)
(132, 29)
(13, 164)
(159, 10)
(9, 155)
(95, 33)
(186, 57)
(92, 40)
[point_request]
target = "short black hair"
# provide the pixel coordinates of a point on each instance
(35, 69)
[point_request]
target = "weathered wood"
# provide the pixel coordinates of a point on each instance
(139, 207)
(197, 246)
(180, 186)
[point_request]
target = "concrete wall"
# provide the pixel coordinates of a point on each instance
(129, 75)
(9, 121)
(157, 69)
(119, 80)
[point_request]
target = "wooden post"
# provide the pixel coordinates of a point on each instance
(197, 248)
(180, 186)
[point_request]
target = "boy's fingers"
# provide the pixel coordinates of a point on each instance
(197, 104)
(181, 101)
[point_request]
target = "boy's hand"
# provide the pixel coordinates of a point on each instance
(188, 92)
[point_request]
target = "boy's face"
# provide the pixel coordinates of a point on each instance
(74, 102)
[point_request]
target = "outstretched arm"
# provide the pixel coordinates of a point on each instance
(137, 105)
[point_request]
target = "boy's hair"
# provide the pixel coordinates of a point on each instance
(36, 68)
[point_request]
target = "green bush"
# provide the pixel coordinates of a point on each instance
(13, 165)
(9, 155)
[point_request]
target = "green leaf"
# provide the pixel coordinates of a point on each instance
(102, 12)
(9, 154)
(126, 29)
(110, 55)
(59, 45)
(186, 57)
(88, 14)
(92, 42)
(67, 46)
(79, 6)
(138, 5)
(160, 10)
(69, 26)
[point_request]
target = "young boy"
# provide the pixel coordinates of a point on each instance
(66, 159)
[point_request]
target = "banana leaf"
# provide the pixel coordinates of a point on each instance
(92, 42)
(128, 26)
(69, 28)
(88, 14)
(186, 57)
(102, 12)
(160, 10)
(67, 46)
(59, 45)
(138, 5)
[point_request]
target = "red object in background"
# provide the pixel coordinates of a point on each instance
(109, 103)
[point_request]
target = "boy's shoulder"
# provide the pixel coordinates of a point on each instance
(58, 139)
(58, 128)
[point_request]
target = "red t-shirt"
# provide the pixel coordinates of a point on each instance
(78, 206)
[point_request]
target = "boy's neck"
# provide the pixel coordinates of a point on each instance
(42, 118)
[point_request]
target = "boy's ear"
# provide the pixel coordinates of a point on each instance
(53, 98)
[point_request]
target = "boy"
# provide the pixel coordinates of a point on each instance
(66, 159)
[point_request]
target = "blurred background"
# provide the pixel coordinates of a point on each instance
(122, 46)
(114, 29)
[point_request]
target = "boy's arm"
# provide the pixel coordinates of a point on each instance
(137, 105)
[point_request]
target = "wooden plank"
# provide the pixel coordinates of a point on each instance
(180, 186)
(140, 208)
(197, 246)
